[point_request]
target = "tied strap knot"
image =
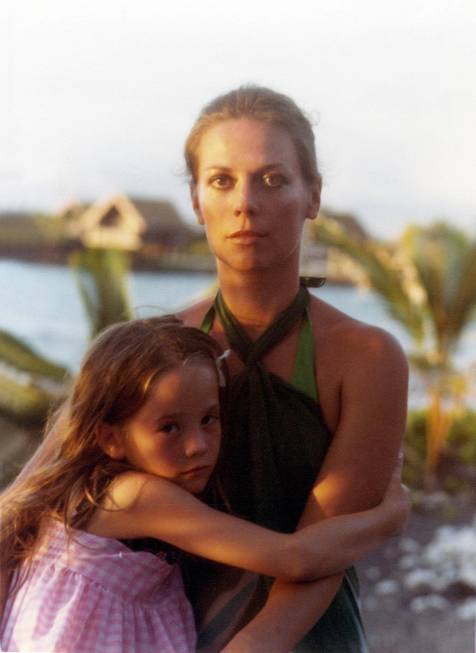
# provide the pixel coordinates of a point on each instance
(251, 446)
(251, 352)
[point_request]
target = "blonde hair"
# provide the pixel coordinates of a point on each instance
(264, 105)
(70, 473)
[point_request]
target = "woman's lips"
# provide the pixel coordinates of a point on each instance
(245, 236)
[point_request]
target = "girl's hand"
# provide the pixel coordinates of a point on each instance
(396, 501)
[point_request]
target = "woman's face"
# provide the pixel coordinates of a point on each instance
(250, 194)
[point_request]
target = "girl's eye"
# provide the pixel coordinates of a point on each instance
(208, 420)
(274, 180)
(168, 427)
(221, 182)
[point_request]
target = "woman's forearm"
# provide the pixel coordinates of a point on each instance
(344, 538)
(291, 611)
(339, 541)
(331, 545)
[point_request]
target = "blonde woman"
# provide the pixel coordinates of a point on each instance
(318, 399)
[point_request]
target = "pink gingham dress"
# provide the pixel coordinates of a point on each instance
(93, 594)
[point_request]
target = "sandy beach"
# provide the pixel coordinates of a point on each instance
(403, 619)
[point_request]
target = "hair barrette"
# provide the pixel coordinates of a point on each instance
(219, 363)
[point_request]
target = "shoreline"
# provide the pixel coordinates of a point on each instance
(173, 263)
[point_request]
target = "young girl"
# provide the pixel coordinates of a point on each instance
(138, 438)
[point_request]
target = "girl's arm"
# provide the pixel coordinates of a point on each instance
(142, 505)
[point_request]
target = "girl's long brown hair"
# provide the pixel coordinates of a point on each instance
(69, 474)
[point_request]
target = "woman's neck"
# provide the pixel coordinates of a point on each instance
(258, 297)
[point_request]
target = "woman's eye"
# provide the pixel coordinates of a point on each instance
(274, 180)
(221, 181)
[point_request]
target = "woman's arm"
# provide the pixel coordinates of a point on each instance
(353, 477)
(142, 505)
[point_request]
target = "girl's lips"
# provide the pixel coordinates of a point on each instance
(196, 470)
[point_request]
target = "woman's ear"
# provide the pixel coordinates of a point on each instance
(196, 204)
(110, 440)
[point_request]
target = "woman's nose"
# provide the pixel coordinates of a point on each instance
(246, 200)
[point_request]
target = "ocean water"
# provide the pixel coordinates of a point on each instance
(41, 304)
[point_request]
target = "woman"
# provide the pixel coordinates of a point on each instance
(319, 398)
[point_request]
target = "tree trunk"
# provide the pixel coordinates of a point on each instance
(439, 420)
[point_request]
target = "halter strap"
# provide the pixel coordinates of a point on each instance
(251, 352)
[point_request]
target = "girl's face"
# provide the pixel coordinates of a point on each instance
(177, 432)
(250, 194)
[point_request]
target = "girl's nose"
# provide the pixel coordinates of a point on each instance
(196, 443)
(246, 200)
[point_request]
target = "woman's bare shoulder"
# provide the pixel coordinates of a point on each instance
(336, 331)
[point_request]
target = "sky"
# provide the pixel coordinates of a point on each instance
(97, 97)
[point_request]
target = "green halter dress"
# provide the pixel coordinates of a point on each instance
(274, 445)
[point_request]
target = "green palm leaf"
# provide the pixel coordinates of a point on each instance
(18, 354)
(101, 278)
(29, 382)
(383, 274)
(445, 261)
(24, 402)
(434, 302)
(464, 301)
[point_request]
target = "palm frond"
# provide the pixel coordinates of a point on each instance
(17, 353)
(102, 282)
(23, 402)
(441, 263)
(384, 276)
(446, 264)
(425, 253)
(464, 301)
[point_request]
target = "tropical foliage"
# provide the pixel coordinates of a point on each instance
(29, 382)
(101, 277)
(427, 282)
(457, 469)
